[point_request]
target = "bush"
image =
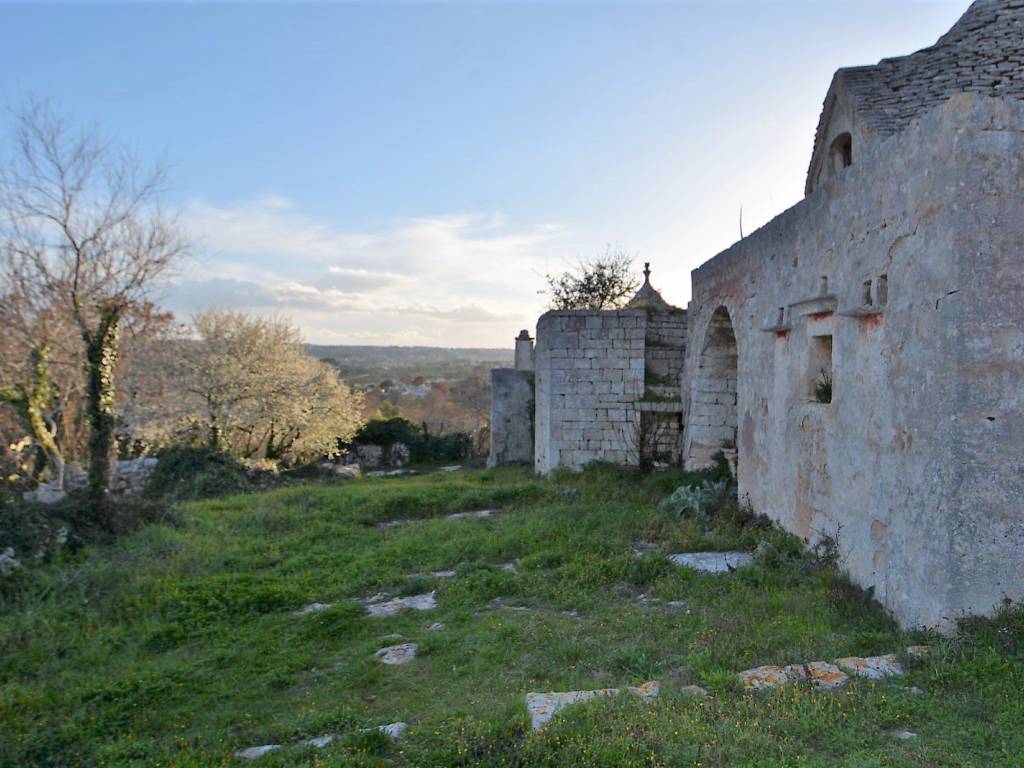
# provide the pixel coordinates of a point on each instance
(187, 472)
(423, 447)
(700, 502)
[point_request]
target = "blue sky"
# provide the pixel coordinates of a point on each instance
(406, 173)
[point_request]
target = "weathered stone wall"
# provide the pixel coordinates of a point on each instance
(904, 277)
(589, 377)
(512, 409)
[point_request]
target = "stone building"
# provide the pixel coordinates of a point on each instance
(863, 352)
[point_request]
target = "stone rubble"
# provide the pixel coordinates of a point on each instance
(713, 562)
(437, 626)
(402, 653)
(544, 706)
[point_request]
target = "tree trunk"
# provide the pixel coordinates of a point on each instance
(31, 402)
(101, 363)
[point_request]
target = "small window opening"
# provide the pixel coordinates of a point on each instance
(819, 370)
(865, 297)
(882, 290)
(782, 316)
(842, 151)
(824, 285)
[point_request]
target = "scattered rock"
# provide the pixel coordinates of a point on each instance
(918, 651)
(312, 608)
(392, 637)
(393, 523)
(571, 614)
(569, 493)
(543, 706)
(694, 690)
(508, 568)
(872, 667)
(478, 513)
(904, 735)
(253, 752)
(909, 689)
(8, 562)
(319, 742)
(393, 607)
(393, 731)
(644, 547)
(443, 574)
(713, 562)
(676, 604)
(452, 468)
(500, 603)
(437, 626)
(397, 654)
(768, 676)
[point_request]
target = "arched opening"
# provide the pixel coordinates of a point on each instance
(842, 151)
(713, 414)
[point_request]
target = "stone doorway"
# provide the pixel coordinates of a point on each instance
(713, 408)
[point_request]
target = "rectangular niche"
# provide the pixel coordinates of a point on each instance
(818, 379)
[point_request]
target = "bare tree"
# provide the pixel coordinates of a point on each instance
(83, 232)
(604, 282)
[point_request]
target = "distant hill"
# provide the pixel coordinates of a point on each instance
(370, 365)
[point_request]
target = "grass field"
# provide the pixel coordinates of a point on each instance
(178, 645)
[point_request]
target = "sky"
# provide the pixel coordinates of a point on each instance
(407, 173)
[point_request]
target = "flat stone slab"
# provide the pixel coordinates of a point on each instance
(390, 473)
(544, 706)
(397, 654)
(713, 562)
(477, 514)
(820, 673)
(452, 468)
(437, 626)
(397, 605)
(312, 608)
(872, 667)
(251, 753)
(443, 574)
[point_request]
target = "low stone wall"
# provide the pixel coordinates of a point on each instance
(512, 416)
(128, 476)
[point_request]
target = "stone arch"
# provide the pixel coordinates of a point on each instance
(714, 414)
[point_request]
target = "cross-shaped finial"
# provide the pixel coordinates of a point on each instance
(647, 271)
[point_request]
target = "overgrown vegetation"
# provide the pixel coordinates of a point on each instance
(423, 446)
(604, 282)
(823, 387)
(176, 645)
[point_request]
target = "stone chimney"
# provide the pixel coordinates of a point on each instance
(524, 351)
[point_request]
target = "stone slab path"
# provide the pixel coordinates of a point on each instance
(392, 730)
(825, 675)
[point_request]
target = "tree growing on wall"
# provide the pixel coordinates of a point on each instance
(83, 238)
(604, 282)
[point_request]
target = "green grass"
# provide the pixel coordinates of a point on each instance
(176, 646)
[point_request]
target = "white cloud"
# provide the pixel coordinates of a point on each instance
(461, 279)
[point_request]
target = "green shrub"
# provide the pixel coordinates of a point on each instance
(699, 502)
(187, 472)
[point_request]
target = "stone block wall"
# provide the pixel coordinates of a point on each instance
(589, 377)
(512, 416)
(903, 276)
